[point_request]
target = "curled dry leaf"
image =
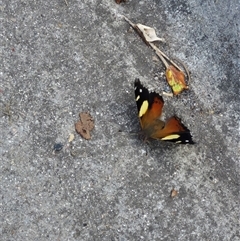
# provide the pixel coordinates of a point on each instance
(174, 193)
(176, 79)
(84, 125)
(149, 33)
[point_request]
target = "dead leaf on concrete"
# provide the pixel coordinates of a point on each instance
(84, 125)
(174, 193)
(149, 33)
(174, 74)
(176, 79)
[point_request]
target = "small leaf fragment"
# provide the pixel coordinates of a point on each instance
(174, 193)
(84, 125)
(71, 137)
(176, 79)
(149, 33)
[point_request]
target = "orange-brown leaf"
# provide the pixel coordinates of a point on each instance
(176, 79)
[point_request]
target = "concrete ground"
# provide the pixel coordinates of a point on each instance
(58, 60)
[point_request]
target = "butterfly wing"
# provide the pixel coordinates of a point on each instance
(149, 104)
(174, 131)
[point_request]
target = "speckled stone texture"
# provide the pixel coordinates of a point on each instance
(58, 60)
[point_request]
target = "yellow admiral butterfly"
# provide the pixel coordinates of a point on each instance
(150, 109)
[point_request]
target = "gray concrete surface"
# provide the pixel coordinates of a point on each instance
(59, 60)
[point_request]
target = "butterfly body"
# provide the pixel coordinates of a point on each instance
(150, 106)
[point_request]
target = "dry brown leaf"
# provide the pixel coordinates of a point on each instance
(176, 79)
(174, 193)
(84, 125)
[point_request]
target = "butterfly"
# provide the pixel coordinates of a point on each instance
(150, 109)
